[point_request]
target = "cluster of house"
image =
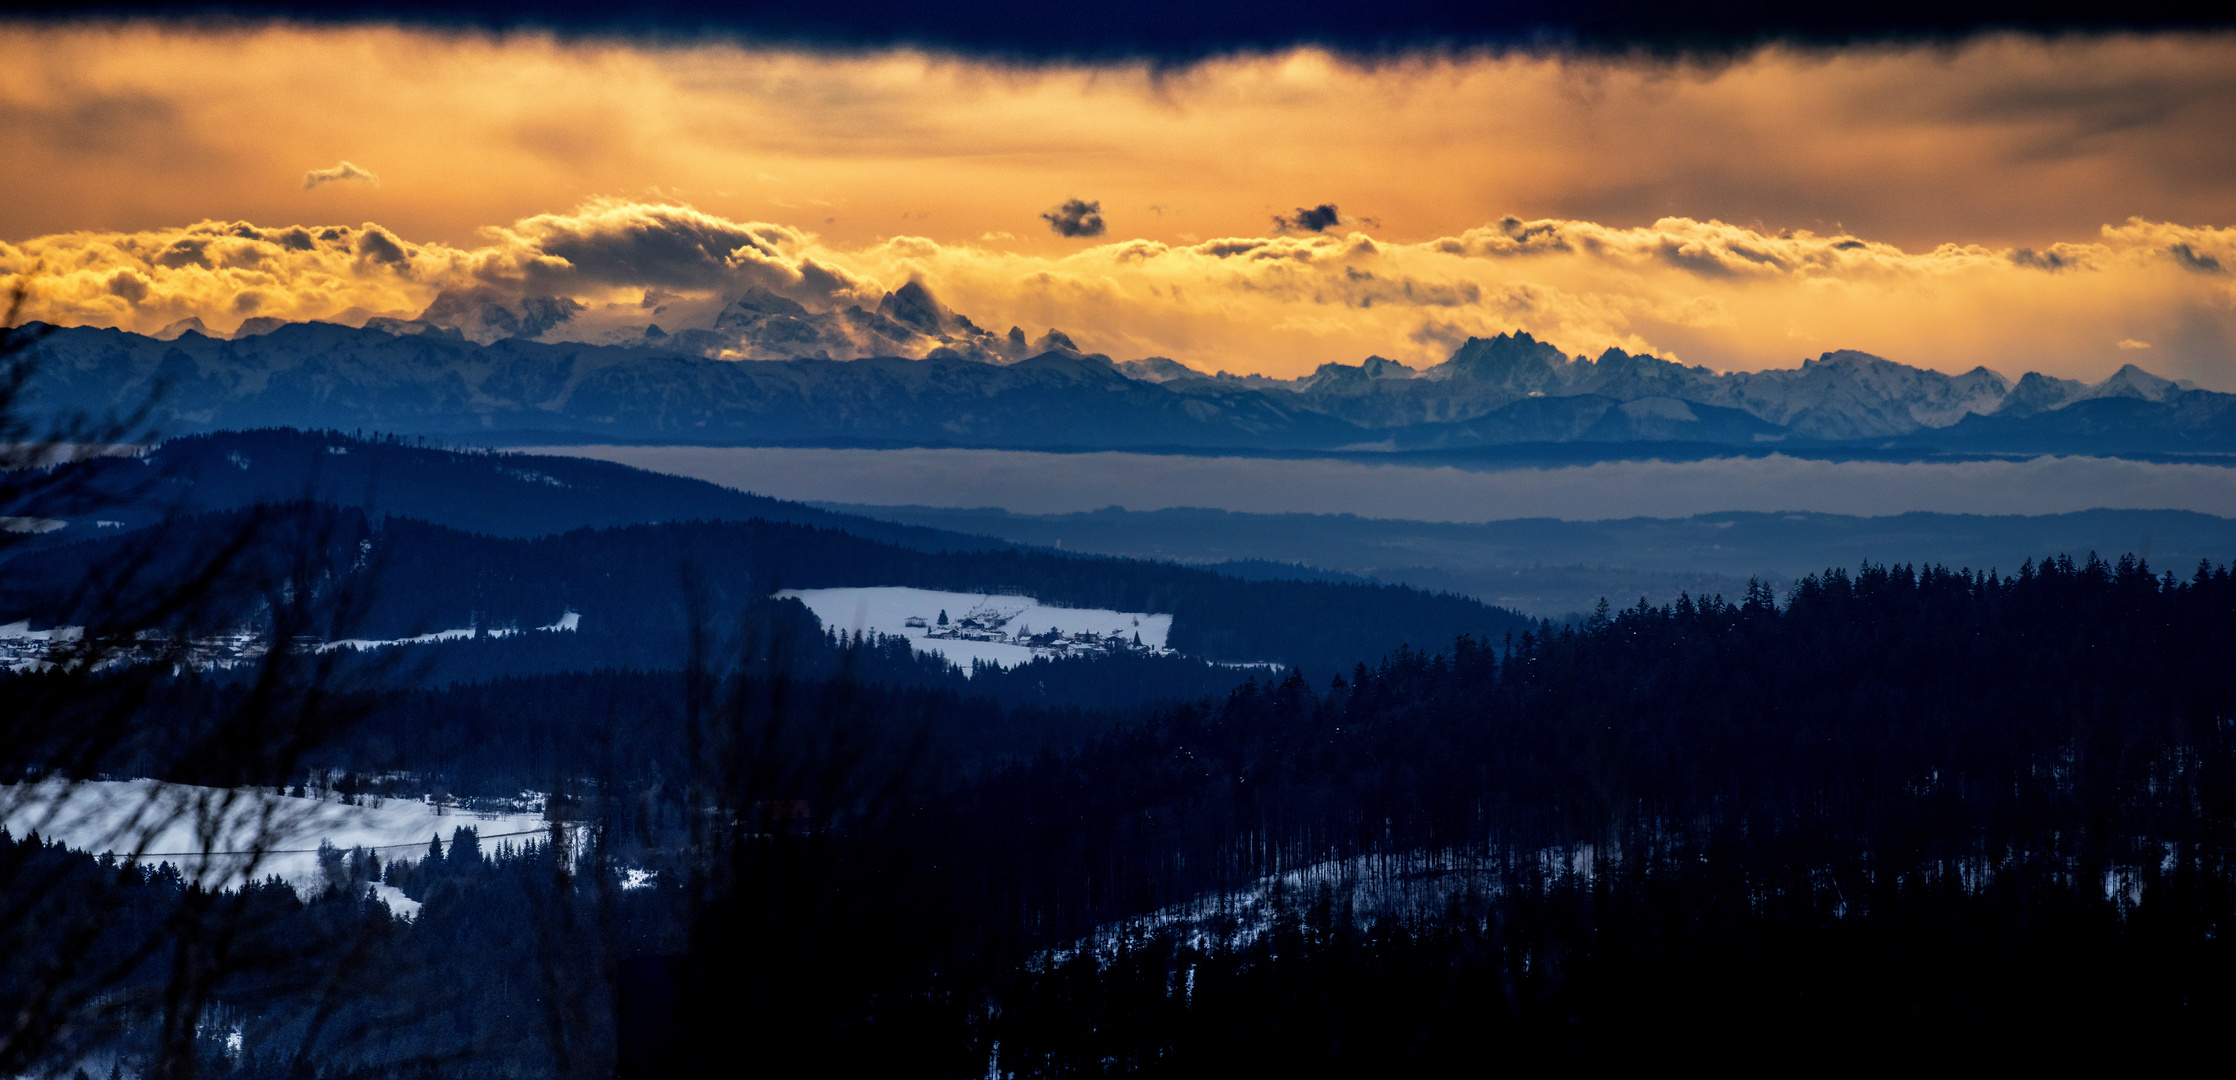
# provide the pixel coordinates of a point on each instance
(985, 624)
(25, 649)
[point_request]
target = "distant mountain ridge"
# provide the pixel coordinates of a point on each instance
(329, 376)
(951, 383)
(1839, 396)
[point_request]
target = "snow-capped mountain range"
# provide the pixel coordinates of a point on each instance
(1840, 395)
(766, 368)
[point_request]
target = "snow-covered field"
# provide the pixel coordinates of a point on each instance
(168, 823)
(889, 610)
(25, 649)
(568, 622)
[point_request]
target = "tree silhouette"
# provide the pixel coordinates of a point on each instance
(92, 959)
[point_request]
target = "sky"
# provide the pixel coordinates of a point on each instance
(2062, 202)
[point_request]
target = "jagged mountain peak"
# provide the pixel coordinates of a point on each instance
(483, 315)
(907, 322)
(914, 306)
(760, 301)
(189, 325)
(2039, 393)
(1625, 374)
(1073, 364)
(1515, 359)
(1855, 363)
(1852, 361)
(1354, 377)
(1155, 369)
(2132, 381)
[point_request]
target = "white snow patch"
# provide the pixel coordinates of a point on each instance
(361, 644)
(568, 622)
(25, 649)
(22, 631)
(398, 903)
(148, 821)
(898, 611)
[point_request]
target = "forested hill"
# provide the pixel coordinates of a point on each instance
(1922, 805)
(1915, 814)
(493, 493)
(640, 587)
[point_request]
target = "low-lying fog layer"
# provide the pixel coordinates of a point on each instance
(1043, 483)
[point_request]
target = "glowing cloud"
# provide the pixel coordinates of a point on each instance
(1702, 291)
(342, 171)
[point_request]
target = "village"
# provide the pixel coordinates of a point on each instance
(25, 649)
(987, 622)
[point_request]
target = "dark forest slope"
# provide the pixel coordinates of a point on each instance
(639, 589)
(493, 493)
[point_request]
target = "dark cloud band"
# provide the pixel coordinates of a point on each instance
(1183, 30)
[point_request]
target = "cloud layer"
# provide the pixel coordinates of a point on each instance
(1701, 291)
(2010, 142)
(609, 256)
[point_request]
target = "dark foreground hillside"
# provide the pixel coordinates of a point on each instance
(1907, 815)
